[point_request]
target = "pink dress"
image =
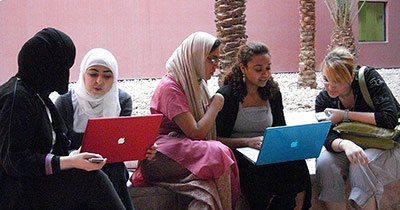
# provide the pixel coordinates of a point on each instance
(207, 159)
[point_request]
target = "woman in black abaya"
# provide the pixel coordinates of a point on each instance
(36, 171)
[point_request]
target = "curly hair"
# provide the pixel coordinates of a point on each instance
(235, 76)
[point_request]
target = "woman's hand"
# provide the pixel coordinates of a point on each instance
(336, 115)
(354, 153)
(151, 152)
(80, 161)
(255, 142)
(74, 152)
(216, 102)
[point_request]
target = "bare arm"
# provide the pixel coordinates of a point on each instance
(234, 143)
(354, 153)
(364, 117)
(199, 130)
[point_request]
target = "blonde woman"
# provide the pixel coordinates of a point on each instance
(367, 170)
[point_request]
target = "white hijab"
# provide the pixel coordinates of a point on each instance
(87, 106)
(187, 66)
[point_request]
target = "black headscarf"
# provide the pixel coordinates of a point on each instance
(44, 61)
(43, 65)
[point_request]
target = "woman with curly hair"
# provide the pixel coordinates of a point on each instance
(253, 102)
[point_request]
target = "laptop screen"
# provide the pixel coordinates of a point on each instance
(121, 138)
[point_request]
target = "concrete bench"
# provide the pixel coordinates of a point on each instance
(158, 198)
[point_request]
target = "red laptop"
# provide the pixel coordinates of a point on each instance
(121, 138)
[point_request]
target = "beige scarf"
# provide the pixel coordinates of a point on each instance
(187, 66)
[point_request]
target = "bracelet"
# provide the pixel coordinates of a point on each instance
(346, 116)
(338, 145)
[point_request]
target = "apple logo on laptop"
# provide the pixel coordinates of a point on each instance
(121, 140)
(293, 144)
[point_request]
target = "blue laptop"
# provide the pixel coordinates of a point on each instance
(288, 143)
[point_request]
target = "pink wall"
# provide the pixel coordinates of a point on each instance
(143, 34)
(269, 22)
(276, 24)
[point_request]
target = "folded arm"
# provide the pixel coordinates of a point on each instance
(199, 130)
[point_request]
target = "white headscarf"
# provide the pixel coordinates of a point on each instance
(187, 66)
(87, 106)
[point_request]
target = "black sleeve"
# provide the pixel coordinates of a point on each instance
(226, 117)
(24, 134)
(61, 107)
(322, 102)
(386, 106)
(277, 110)
(125, 101)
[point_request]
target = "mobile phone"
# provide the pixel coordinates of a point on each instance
(96, 160)
(321, 116)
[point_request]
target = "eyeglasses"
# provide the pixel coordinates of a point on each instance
(326, 82)
(213, 60)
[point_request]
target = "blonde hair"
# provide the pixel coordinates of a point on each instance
(338, 65)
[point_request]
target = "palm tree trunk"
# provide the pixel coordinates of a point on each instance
(343, 36)
(343, 14)
(307, 77)
(231, 31)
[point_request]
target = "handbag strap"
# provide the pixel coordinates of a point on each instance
(364, 90)
(363, 87)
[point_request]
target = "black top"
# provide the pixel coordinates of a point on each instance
(26, 133)
(227, 116)
(387, 108)
(65, 107)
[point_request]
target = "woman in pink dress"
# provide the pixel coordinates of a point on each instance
(188, 161)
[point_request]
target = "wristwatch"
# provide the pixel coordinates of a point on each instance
(346, 116)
